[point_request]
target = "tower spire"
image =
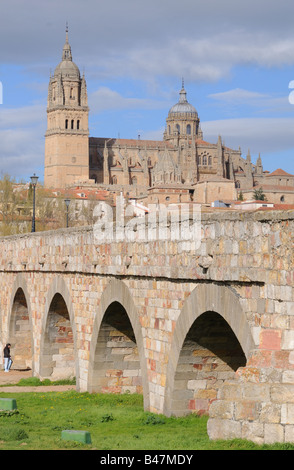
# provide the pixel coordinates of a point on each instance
(66, 53)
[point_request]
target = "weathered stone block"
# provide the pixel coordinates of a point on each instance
(282, 393)
(223, 429)
(270, 339)
(253, 431)
(247, 410)
(273, 433)
(221, 409)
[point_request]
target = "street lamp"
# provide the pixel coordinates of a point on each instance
(34, 181)
(67, 202)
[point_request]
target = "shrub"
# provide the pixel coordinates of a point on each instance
(154, 419)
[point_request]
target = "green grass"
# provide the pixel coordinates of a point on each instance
(115, 422)
(36, 382)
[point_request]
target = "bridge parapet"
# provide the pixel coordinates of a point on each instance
(249, 247)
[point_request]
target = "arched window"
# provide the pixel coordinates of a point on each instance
(114, 180)
(72, 123)
(282, 199)
(149, 161)
(189, 129)
(169, 130)
(134, 180)
(209, 160)
(72, 94)
(66, 124)
(78, 124)
(178, 128)
(204, 160)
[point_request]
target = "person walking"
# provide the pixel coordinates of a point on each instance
(7, 358)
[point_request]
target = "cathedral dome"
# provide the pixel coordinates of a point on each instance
(183, 106)
(67, 68)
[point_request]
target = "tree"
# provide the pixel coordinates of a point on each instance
(16, 206)
(259, 195)
(240, 196)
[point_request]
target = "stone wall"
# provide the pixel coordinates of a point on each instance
(195, 329)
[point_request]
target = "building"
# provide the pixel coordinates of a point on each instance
(182, 167)
(67, 136)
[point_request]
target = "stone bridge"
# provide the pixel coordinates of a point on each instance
(206, 330)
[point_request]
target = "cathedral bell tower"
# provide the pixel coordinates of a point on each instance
(67, 135)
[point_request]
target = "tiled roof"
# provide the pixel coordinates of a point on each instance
(80, 193)
(130, 142)
(279, 172)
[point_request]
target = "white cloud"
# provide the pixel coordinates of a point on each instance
(265, 135)
(22, 117)
(238, 95)
(105, 99)
(240, 99)
(207, 58)
(22, 140)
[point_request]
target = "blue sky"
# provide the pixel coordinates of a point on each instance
(237, 60)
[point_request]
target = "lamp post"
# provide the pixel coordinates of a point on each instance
(67, 202)
(34, 181)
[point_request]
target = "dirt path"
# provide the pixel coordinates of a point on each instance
(14, 376)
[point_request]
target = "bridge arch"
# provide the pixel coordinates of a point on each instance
(58, 344)
(209, 308)
(19, 325)
(117, 360)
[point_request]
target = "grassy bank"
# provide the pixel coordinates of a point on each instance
(116, 422)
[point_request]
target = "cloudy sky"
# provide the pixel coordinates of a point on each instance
(236, 57)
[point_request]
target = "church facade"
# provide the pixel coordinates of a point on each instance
(182, 167)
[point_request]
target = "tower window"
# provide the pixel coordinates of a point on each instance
(78, 124)
(204, 160)
(189, 129)
(72, 94)
(72, 123)
(66, 124)
(178, 128)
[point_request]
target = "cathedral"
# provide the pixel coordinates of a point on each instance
(182, 167)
